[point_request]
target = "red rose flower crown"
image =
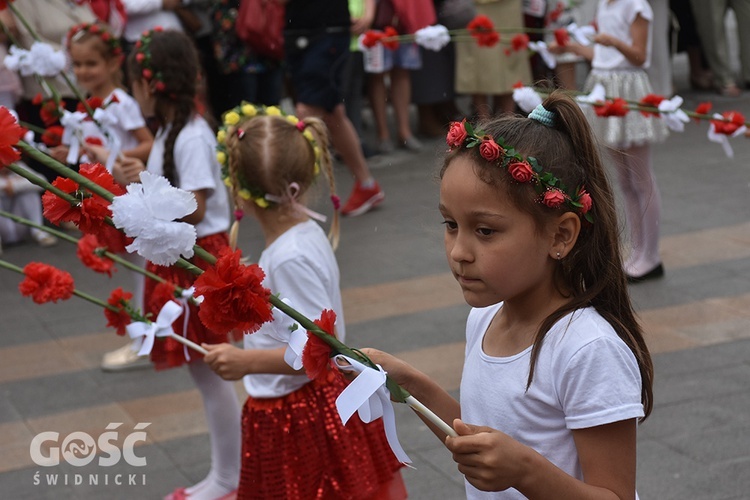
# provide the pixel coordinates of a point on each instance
(552, 191)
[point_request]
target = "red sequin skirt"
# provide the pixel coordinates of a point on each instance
(167, 352)
(295, 447)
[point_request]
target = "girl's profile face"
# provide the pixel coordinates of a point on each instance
(93, 72)
(142, 95)
(494, 250)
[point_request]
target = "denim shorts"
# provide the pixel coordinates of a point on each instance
(406, 56)
(316, 65)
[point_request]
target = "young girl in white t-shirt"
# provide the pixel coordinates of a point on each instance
(163, 70)
(556, 373)
(96, 57)
(619, 58)
(294, 444)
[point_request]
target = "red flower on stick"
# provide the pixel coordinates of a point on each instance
(46, 283)
(86, 252)
(736, 120)
(614, 107)
(483, 31)
(562, 37)
(703, 108)
(372, 38)
(653, 101)
(162, 293)
(10, 133)
(121, 318)
(389, 32)
(93, 102)
(234, 298)
(317, 353)
(50, 111)
(520, 42)
(53, 136)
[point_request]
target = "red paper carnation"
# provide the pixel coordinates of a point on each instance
(234, 298)
(162, 293)
(703, 108)
(121, 318)
(736, 120)
(652, 101)
(389, 32)
(46, 283)
(614, 107)
(483, 31)
(52, 136)
(10, 133)
(50, 112)
(93, 102)
(520, 42)
(317, 353)
(4, 4)
(562, 37)
(86, 252)
(372, 38)
(57, 210)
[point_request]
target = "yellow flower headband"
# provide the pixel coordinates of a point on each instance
(234, 116)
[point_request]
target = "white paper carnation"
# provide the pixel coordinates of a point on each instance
(41, 60)
(147, 212)
(526, 98)
(673, 115)
(433, 37)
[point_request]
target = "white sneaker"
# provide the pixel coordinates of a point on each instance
(123, 359)
(45, 240)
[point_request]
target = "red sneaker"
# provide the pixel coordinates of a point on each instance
(362, 199)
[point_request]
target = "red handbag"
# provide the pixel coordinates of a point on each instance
(260, 24)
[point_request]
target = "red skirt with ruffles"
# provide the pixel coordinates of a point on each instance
(296, 448)
(167, 352)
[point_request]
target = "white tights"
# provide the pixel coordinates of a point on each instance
(223, 415)
(642, 207)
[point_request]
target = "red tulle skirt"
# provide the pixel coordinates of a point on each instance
(296, 447)
(167, 352)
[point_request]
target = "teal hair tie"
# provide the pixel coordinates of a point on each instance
(543, 116)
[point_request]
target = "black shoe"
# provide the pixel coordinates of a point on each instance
(656, 272)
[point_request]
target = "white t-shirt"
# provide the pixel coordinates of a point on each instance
(614, 17)
(300, 266)
(127, 117)
(585, 376)
(196, 168)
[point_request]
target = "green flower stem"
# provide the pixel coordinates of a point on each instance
(112, 256)
(32, 127)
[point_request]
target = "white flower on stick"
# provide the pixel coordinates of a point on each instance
(543, 51)
(527, 98)
(40, 60)
(672, 114)
(148, 213)
(433, 37)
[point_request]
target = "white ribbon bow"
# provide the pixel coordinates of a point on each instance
(73, 128)
(597, 94)
(107, 120)
(526, 98)
(671, 112)
(433, 37)
(723, 139)
(541, 48)
(582, 34)
(144, 334)
(285, 329)
(368, 396)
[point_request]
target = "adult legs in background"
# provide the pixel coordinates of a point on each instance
(223, 414)
(642, 208)
(741, 10)
(709, 19)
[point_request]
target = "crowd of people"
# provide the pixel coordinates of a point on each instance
(550, 294)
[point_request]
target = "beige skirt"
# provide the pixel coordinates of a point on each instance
(488, 70)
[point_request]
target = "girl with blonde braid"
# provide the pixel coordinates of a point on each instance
(293, 442)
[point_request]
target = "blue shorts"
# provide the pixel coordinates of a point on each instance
(406, 56)
(316, 65)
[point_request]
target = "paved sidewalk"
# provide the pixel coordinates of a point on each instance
(399, 297)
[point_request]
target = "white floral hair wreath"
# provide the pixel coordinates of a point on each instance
(230, 119)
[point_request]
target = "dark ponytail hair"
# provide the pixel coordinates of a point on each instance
(174, 63)
(592, 272)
